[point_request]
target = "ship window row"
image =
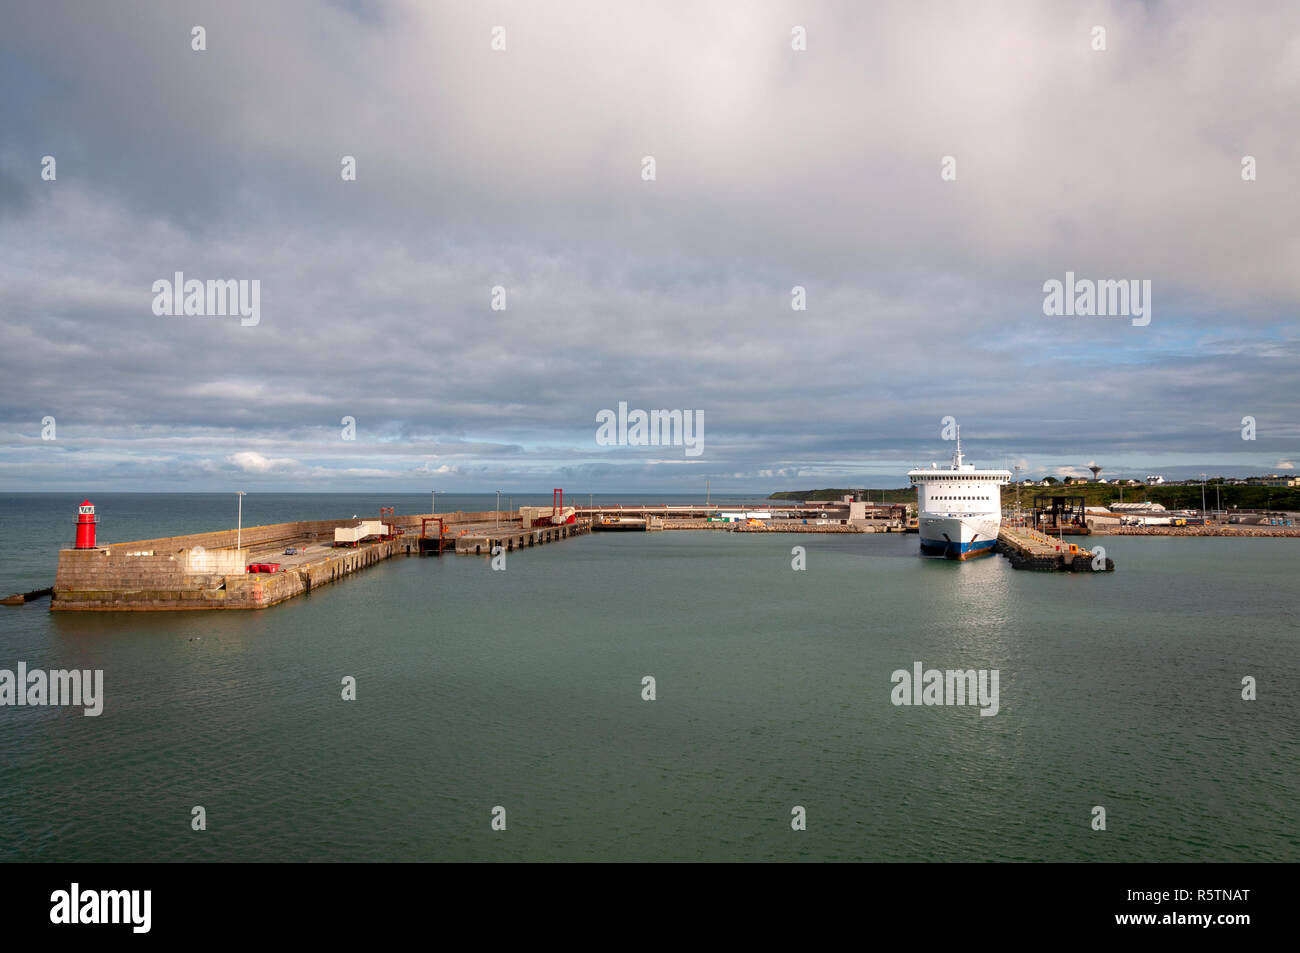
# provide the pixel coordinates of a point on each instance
(944, 477)
(959, 498)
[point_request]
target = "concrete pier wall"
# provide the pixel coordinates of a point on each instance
(275, 534)
(129, 568)
(1035, 551)
(96, 579)
(510, 538)
(205, 571)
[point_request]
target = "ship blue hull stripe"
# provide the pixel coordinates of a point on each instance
(946, 548)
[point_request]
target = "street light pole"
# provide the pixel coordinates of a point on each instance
(433, 502)
(497, 512)
(1204, 518)
(1018, 468)
(239, 525)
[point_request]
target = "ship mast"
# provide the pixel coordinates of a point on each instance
(957, 457)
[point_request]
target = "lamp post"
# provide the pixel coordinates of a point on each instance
(1018, 519)
(239, 524)
(433, 502)
(1204, 519)
(497, 512)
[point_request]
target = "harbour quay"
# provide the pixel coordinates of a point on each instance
(1027, 548)
(483, 539)
(842, 516)
(259, 566)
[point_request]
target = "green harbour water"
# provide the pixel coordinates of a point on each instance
(523, 689)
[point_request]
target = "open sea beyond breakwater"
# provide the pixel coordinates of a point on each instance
(523, 689)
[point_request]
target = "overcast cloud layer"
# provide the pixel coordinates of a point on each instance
(523, 168)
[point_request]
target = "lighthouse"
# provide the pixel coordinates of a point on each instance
(86, 526)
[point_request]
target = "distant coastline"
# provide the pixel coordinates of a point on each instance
(1175, 497)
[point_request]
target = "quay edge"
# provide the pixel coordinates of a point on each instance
(206, 571)
(1029, 549)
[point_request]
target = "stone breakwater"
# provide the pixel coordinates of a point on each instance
(1257, 531)
(160, 579)
(207, 571)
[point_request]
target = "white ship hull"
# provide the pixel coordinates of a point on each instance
(958, 537)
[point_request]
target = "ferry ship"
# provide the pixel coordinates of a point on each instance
(959, 509)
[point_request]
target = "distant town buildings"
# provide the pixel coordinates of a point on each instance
(1155, 479)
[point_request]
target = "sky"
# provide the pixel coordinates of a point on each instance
(920, 170)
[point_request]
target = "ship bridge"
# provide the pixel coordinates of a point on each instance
(959, 471)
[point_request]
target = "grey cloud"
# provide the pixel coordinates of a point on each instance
(521, 169)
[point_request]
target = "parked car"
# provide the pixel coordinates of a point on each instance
(292, 550)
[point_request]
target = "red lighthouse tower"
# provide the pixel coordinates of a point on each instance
(86, 526)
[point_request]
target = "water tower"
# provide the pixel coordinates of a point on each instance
(1095, 471)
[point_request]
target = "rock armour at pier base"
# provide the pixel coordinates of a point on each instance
(1204, 531)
